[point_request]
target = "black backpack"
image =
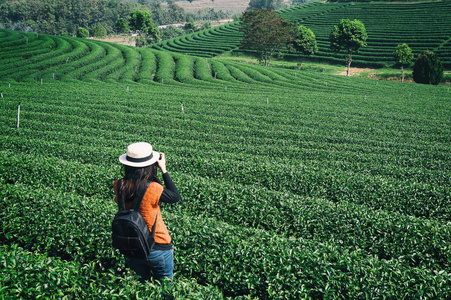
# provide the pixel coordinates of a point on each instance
(131, 234)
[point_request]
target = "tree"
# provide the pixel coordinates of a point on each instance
(140, 20)
(190, 26)
(428, 68)
(265, 4)
(171, 31)
(206, 25)
(303, 41)
(175, 12)
(403, 55)
(265, 32)
(122, 26)
(159, 14)
(349, 36)
(82, 32)
(99, 30)
(148, 35)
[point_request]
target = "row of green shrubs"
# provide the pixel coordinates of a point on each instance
(77, 229)
(31, 274)
(268, 203)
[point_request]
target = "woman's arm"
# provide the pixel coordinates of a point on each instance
(170, 193)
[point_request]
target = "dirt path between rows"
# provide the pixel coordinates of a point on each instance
(356, 72)
(122, 40)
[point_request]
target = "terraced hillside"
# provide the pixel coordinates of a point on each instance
(206, 43)
(294, 184)
(49, 58)
(421, 25)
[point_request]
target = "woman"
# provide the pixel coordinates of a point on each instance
(140, 165)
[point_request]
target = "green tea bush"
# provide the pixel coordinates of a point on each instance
(202, 70)
(148, 66)
(428, 68)
(184, 69)
(28, 274)
(166, 67)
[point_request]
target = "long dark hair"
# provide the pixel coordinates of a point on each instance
(133, 177)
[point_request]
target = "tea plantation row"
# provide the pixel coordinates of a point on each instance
(298, 190)
(55, 58)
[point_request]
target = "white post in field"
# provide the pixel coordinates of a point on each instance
(18, 115)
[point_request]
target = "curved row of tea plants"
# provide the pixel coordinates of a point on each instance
(206, 43)
(70, 58)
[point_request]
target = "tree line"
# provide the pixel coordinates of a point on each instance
(65, 17)
(268, 34)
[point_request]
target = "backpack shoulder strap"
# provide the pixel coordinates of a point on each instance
(120, 199)
(140, 195)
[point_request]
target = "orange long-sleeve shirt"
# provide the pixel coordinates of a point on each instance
(149, 209)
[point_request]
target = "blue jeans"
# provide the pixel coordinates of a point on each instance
(159, 264)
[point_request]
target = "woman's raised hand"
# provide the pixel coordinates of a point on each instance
(162, 163)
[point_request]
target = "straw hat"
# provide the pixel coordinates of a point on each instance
(139, 155)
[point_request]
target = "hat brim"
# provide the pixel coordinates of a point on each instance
(124, 161)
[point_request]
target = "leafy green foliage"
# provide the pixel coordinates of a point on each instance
(28, 274)
(60, 17)
(303, 41)
(82, 32)
(140, 20)
(265, 4)
(349, 36)
(403, 55)
(148, 31)
(99, 30)
(122, 25)
(190, 26)
(428, 68)
(265, 32)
